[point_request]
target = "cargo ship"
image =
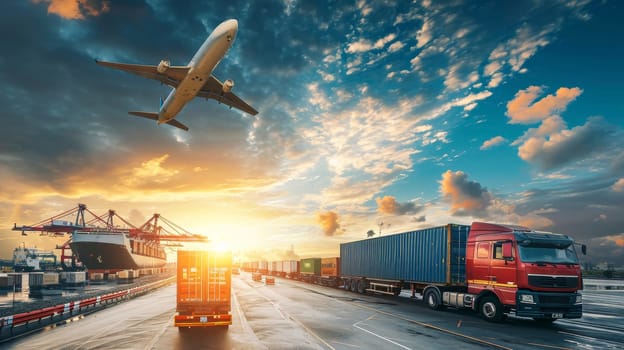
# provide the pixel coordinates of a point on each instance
(111, 251)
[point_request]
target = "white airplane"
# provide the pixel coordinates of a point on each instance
(194, 79)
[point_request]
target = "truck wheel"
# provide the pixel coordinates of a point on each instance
(362, 285)
(347, 284)
(491, 309)
(354, 283)
(432, 299)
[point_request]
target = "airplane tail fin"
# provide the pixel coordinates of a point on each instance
(154, 116)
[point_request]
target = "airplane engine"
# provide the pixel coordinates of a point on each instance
(163, 66)
(228, 85)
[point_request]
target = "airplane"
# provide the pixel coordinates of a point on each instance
(194, 79)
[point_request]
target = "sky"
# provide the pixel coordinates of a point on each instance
(373, 115)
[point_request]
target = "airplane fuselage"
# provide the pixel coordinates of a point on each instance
(202, 64)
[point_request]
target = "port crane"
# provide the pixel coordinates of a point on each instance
(157, 228)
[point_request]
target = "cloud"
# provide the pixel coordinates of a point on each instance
(494, 141)
(617, 239)
(153, 169)
(550, 151)
(618, 186)
(523, 110)
(383, 41)
(606, 249)
(466, 197)
(421, 218)
(396, 46)
(424, 34)
(362, 45)
(388, 205)
(76, 9)
(329, 223)
(514, 52)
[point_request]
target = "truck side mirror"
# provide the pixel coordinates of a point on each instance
(584, 249)
(507, 254)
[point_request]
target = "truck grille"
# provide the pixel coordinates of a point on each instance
(553, 281)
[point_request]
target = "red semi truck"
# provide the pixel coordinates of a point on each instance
(203, 289)
(493, 269)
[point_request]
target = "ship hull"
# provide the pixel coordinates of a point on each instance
(111, 251)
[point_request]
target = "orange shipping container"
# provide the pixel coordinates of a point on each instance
(330, 267)
(203, 289)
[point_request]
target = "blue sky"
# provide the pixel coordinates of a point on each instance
(413, 114)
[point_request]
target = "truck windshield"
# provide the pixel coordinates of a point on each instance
(548, 254)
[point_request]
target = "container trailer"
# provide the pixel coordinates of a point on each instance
(204, 284)
(490, 268)
(309, 269)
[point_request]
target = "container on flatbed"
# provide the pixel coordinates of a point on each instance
(290, 268)
(203, 289)
(433, 255)
(495, 269)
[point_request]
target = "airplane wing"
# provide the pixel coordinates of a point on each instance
(172, 76)
(214, 89)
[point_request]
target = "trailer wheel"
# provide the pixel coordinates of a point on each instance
(491, 309)
(354, 284)
(362, 285)
(432, 299)
(346, 284)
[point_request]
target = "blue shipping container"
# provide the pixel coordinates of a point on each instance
(432, 255)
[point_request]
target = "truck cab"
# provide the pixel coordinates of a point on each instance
(512, 269)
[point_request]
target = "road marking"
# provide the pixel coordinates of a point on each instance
(345, 344)
(157, 336)
(379, 336)
(427, 325)
(549, 346)
(311, 332)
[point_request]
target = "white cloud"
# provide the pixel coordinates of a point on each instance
(424, 35)
(495, 141)
(383, 41)
(362, 45)
(395, 46)
(327, 76)
(318, 97)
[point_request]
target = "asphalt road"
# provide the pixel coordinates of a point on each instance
(296, 315)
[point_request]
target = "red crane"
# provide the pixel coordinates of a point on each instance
(58, 225)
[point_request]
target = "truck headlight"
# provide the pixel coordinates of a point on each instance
(526, 299)
(579, 299)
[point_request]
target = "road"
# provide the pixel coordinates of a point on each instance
(295, 315)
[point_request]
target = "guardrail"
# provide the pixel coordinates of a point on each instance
(22, 323)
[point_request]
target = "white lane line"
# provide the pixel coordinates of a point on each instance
(345, 344)
(377, 335)
(311, 332)
(157, 336)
